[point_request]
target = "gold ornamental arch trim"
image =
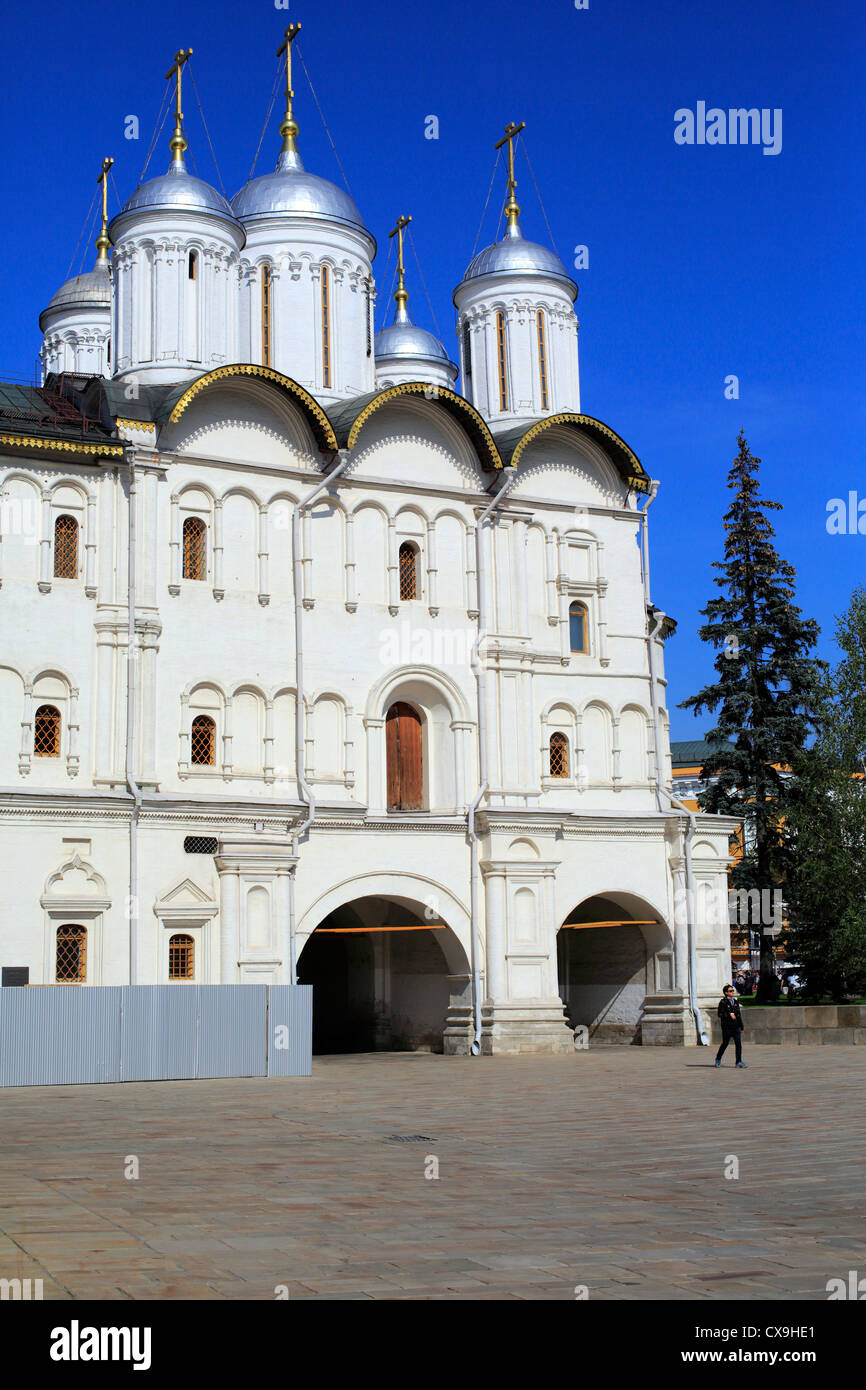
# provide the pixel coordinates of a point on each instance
(65, 446)
(433, 394)
(634, 474)
(306, 401)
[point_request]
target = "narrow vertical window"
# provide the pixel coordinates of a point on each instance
(181, 957)
(467, 353)
(70, 963)
(503, 367)
(192, 265)
(408, 571)
(194, 548)
(542, 358)
(46, 732)
(203, 741)
(66, 548)
(266, 315)
(577, 627)
(326, 326)
(558, 755)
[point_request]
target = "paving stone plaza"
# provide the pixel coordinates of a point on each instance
(605, 1170)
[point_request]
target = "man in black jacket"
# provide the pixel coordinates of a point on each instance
(732, 1025)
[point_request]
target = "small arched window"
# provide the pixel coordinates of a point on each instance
(203, 740)
(46, 732)
(192, 265)
(408, 571)
(542, 358)
(558, 755)
(70, 965)
(66, 548)
(181, 957)
(266, 315)
(326, 326)
(194, 548)
(503, 364)
(577, 627)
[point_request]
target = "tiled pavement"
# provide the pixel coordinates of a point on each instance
(604, 1169)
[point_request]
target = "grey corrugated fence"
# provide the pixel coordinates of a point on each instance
(73, 1035)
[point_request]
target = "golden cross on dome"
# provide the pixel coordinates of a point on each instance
(512, 209)
(177, 143)
(401, 297)
(102, 242)
(289, 127)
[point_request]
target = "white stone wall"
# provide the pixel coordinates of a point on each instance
(240, 458)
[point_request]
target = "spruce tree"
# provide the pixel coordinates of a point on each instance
(827, 825)
(764, 693)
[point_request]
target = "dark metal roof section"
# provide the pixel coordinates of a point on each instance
(53, 418)
(513, 442)
(349, 417)
(694, 752)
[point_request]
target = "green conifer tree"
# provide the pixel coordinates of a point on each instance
(763, 696)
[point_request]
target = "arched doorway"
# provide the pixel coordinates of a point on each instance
(385, 975)
(403, 757)
(606, 954)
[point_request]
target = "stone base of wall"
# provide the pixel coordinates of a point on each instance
(666, 1021)
(531, 1027)
(802, 1025)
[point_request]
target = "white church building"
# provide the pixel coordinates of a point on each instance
(324, 657)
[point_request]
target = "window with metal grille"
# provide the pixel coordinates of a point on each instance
(266, 315)
(503, 365)
(467, 352)
(71, 958)
(577, 627)
(194, 548)
(408, 571)
(201, 844)
(558, 755)
(326, 326)
(203, 739)
(66, 548)
(181, 958)
(542, 358)
(46, 732)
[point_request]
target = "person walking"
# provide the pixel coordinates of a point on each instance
(732, 1026)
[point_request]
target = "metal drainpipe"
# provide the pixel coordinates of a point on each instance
(130, 733)
(480, 678)
(305, 791)
(661, 790)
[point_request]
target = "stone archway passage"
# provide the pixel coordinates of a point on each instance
(381, 979)
(603, 958)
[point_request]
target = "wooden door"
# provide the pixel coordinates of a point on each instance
(403, 757)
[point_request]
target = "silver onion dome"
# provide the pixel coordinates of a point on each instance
(176, 191)
(290, 189)
(92, 289)
(407, 340)
(514, 254)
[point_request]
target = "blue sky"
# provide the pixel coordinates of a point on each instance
(704, 261)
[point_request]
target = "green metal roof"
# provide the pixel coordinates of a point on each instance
(695, 751)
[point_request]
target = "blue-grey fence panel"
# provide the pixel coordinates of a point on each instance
(159, 1037)
(59, 1035)
(232, 1036)
(290, 1030)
